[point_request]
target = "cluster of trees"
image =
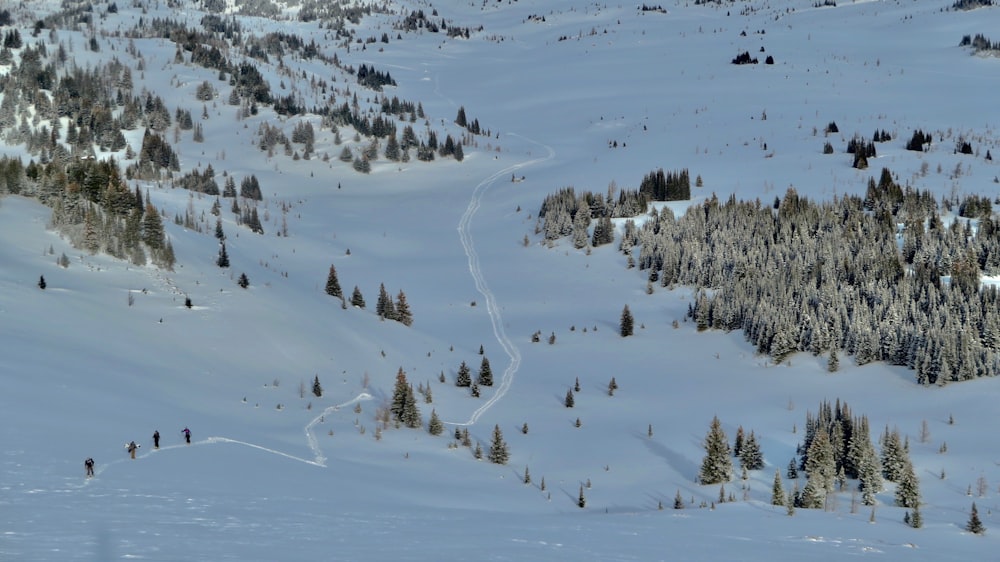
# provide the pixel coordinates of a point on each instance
(386, 308)
(836, 450)
(979, 43)
(374, 79)
(565, 213)
(830, 277)
(970, 4)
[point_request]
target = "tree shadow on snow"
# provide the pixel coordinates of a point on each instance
(677, 461)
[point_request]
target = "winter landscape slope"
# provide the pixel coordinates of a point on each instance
(574, 94)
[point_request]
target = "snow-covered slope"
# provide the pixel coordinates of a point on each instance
(108, 352)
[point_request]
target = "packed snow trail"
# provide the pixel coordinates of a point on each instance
(319, 459)
(477, 275)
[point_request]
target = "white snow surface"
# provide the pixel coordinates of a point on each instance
(84, 371)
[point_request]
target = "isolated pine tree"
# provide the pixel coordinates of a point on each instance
(317, 388)
(223, 259)
(717, 466)
(243, 281)
(333, 284)
(570, 400)
(464, 377)
(527, 476)
(434, 426)
(974, 525)
(777, 490)
(41, 283)
(485, 373)
(626, 326)
(581, 501)
(499, 454)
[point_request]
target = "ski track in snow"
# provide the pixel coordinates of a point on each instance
(319, 459)
(496, 319)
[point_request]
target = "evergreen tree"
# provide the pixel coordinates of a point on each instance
(223, 259)
(916, 519)
(777, 490)
(152, 228)
(243, 281)
(893, 456)
(750, 455)
(384, 307)
(738, 442)
(975, 525)
(357, 299)
(678, 501)
(570, 401)
(464, 377)
(333, 284)
(499, 454)
(317, 388)
(41, 283)
(404, 404)
(820, 465)
(403, 314)
(527, 476)
(908, 488)
(581, 501)
(434, 426)
(485, 373)
(717, 466)
(626, 326)
(833, 363)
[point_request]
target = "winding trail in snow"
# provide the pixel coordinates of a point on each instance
(475, 269)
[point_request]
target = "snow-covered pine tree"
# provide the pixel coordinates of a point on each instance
(317, 388)
(403, 314)
(464, 377)
(570, 400)
(717, 466)
(777, 490)
(434, 426)
(908, 487)
(750, 456)
(357, 299)
(485, 373)
(499, 453)
(333, 284)
(626, 325)
(975, 525)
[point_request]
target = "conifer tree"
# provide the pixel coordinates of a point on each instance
(403, 314)
(41, 283)
(243, 281)
(581, 501)
(627, 324)
(527, 476)
(317, 388)
(411, 414)
(570, 400)
(678, 501)
(974, 525)
(223, 259)
(384, 307)
(333, 284)
(908, 487)
(738, 441)
(777, 490)
(750, 455)
(404, 403)
(357, 299)
(717, 466)
(485, 373)
(434, 426)
(464, 375)
(499, 453)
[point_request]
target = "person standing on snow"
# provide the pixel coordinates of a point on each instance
(131, 448)
(187, 435)
(156, 439)
(89, 463)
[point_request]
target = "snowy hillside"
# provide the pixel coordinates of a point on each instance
(567, 94)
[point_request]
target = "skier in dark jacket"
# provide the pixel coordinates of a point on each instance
(187, 435)
(156, 439)
(89, 463)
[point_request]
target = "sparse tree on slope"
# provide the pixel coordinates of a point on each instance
(777, 490)
(485, 373)
(975, 525)
(499, 454)
(750, 456)
(626, 326)
(717, 466)
(464, 375)
(333, 284)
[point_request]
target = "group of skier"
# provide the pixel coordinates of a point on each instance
(131, 447)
